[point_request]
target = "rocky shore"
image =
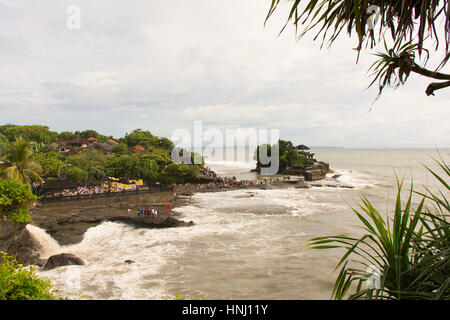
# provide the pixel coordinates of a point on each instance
(314, 172)
(16, 240)
(67, 222)
(68, 227)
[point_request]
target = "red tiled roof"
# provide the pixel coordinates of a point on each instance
(111, 141)
(92, 139)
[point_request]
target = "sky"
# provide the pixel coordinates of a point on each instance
(161, 65)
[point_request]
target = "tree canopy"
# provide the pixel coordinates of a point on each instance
(28, 159)
(18, 164)
(35, 133)
(140, 137)
(409, 24)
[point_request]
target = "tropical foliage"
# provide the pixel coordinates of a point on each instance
(406, 257)
(416, 27)
(120, 149)
(3, 145)
(19, 283)
(77, 175)
(288, 155)
(35, 133)
(18, 164)
(29, 159)
(90, 161)
(14, 201)
(50, 163)
(140, 137)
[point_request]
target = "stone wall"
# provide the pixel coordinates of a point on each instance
(117, 202)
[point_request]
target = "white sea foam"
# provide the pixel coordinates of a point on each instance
(49, 246)
(354, 178)
(243, 242)
(218, 231)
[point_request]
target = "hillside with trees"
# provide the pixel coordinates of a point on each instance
(32, 154)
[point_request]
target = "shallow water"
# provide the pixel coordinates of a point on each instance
(246, 244)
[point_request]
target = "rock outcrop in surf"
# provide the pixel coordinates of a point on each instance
(292, 161)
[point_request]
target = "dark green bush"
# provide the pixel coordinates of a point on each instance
(19, 283)
(14, 200)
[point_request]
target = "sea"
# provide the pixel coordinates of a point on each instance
(246, 244)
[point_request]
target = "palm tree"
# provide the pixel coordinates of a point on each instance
(17, 165)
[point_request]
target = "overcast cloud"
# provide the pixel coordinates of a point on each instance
(160, 65)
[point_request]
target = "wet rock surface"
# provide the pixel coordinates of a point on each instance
(16, 240)
(67, 224)
(62, 259)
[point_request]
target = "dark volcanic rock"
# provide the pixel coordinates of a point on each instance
(16, 240)
(150, 223)
(317, 172)
(63, 259)
(67, 222)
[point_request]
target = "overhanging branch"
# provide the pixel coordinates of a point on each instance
(436, 86)
(432, 87)
(430, 74)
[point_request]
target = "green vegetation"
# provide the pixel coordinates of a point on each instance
(77, 175)
(165, 144)
(288, 155)
(90, 161)
(29, 158)
(35, 133)
(19, 283)
(18, 164)
(411, 25)
(408, 256)
(140, 137)
(14, 201)
(3, 144)
(50, 163)
(66, 135)
(120, 149)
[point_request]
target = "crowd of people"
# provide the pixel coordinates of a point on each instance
(231, 182)
(208, 172)
(153, 213)
(219, 183)
(87, 190)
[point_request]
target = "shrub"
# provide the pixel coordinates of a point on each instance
(190, 171)
(168, 179)
(19, 283)
(77, 175)
(120, 148)
(174, 169)
(14, 200)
